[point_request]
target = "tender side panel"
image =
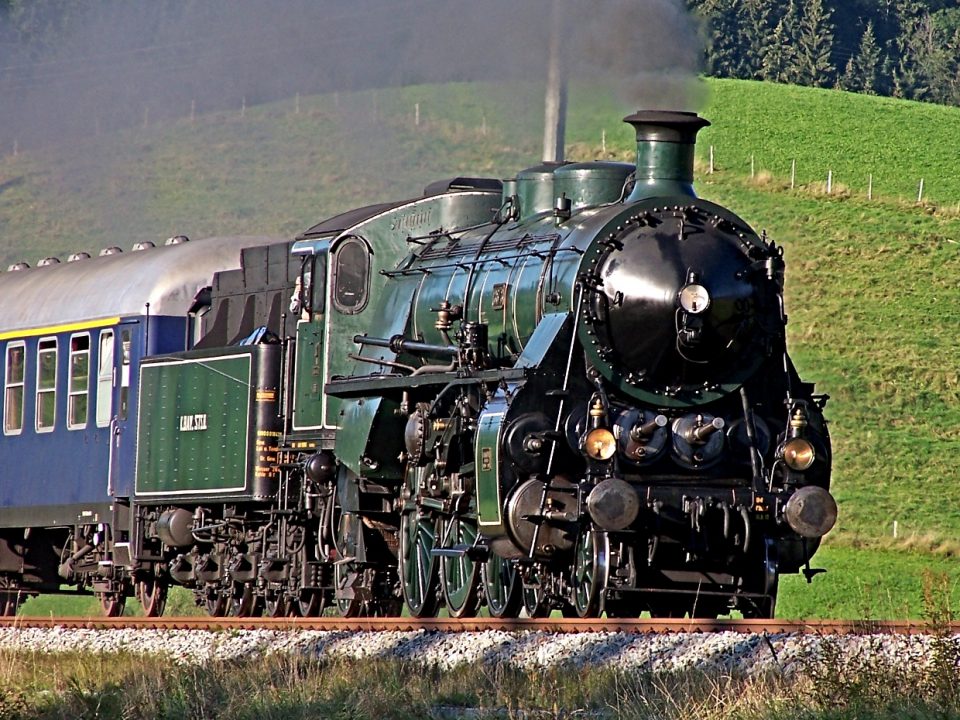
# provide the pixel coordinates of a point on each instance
(193, 431)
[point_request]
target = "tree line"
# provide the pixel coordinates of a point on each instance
(902, 48)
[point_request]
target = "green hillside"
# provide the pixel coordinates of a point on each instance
(872, 284)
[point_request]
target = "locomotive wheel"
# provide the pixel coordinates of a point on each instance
(459, 575)
(152, 594)
(310, 603)
(418, 566)
(345, 569)
(590, 568)
(501, 587)
(534, 595)
(668, 606)
(763, 579)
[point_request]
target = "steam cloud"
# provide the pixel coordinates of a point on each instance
(123, 59)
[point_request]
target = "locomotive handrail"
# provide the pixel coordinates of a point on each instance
(480, 261)
(399, 344)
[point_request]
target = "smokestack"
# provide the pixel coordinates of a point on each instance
(555, 112)
(665, 147)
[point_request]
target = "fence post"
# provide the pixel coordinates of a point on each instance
(711, 159)
(752, 167)
(603, 141)
(243, 106)
(829, 182)
(920, 192)
(793, 173)
(870, 187)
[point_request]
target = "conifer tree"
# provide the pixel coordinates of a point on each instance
(778, 62)
(815, 45)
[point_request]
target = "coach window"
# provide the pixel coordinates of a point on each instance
(79, 386)
(13, 390)
(351, 276)
(105, 379)
(46, 385)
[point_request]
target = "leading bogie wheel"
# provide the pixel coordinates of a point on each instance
(418, 566)
(590, 569)
(459, 575)
(501, 587)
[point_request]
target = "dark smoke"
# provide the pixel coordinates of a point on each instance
(121, 63)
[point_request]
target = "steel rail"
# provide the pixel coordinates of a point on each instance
(480, 624)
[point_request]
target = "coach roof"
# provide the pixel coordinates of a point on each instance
(121, 284)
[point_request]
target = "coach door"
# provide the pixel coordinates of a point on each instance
(120, 368)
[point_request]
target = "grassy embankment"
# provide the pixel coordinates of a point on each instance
(871, 284)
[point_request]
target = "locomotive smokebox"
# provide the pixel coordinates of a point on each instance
(665, 147)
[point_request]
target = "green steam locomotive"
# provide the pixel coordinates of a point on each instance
(566, 391)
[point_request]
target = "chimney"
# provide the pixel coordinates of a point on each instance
(665, 145)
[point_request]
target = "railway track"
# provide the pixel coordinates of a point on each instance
(448, 625)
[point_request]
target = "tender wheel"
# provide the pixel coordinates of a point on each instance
(459, 575)
(112, 603)
(501, 587)
(215, 601)
(534, 595)
(274, 604)
(418, 566)
(243, 601)
(152, 594)
(590, 569)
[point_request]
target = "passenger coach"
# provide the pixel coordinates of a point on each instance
(71, 336)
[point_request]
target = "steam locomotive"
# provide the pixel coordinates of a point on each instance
(566, 391)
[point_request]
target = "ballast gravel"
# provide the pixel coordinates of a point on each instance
(716, 652)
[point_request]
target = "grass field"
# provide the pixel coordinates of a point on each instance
(871, 284)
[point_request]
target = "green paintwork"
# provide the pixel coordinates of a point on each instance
(487, 462)
(386, 314)
(592, 183)
(535, 190)
(308, 383)
(186, 442)
(664, 169)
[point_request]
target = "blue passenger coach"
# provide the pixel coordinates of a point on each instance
(71, 337)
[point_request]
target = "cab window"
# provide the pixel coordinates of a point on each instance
(13, 389)
(351, 276)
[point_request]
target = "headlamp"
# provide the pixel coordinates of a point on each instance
(799, 454)
(600, 444)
